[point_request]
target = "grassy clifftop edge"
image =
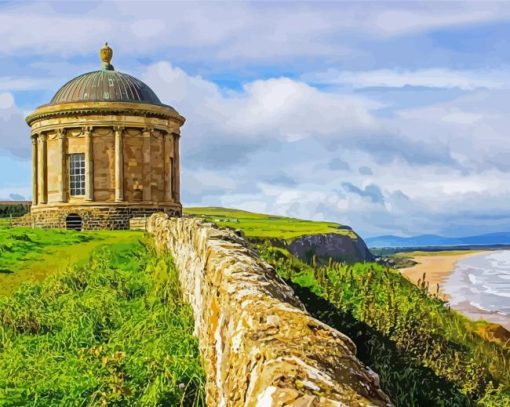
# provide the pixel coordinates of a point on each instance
(258, 225)
(305, 239)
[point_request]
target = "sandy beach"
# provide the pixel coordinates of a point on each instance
(437, 266)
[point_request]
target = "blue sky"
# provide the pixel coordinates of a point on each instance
(391, 117)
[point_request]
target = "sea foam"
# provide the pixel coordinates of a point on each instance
(480, 286)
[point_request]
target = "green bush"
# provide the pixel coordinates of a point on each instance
(112, 332)
(16, 210)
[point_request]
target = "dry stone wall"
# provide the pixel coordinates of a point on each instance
(259, 345)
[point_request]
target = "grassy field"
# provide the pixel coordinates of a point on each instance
(256, 225)
(425, 353)
(33, 254)
(111, 331)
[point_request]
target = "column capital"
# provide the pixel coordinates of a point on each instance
(34, 138)
(86, 130)
(61, 133)
(42, 138)
(147, 131)
(118, 129)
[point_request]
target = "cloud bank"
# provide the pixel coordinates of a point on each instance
(388, 116)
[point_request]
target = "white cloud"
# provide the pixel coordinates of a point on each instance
(437, 15)
(431, 78)
(14, 133)
(474, 126)
(6, 101)
(226, 31)
(12, 84)
(235, 145)
(422, 167)
(15, 193)
(262, 113)
(283, 145)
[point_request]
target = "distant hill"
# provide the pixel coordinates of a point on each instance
(489, 239)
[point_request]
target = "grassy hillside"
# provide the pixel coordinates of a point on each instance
(33, 254)
(257, 225)
(112, 331)
(425, 353)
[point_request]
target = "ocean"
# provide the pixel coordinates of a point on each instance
(479, 287)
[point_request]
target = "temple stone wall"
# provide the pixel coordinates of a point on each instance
(157, 152)
(140, 173)
(104, 174)
(134, 181)
(258, 344)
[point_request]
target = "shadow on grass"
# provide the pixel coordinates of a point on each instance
(406, 382)
(5, 271)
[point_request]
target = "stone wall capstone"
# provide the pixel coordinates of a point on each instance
(258, 344)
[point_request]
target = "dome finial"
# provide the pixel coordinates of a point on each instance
(106, 54)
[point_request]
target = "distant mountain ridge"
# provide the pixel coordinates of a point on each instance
(488, 239)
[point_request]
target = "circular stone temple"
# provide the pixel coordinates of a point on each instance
(104, 150)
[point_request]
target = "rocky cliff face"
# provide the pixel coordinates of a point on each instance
(259, 345)
(325, 246)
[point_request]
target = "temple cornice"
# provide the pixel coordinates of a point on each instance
(89, 108)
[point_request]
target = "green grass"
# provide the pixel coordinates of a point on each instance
(256, 225)
(33, 254)
(425, 353)
(113, 331)
(4, 222)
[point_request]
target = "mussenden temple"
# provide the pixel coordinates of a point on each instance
(104, 150)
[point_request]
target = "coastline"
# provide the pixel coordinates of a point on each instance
(438, 266)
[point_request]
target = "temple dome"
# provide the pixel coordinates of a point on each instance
(105, 85)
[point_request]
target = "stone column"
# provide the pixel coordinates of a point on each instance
(34, 170)
(119, 165)
(170, 181)
(42, 188)
(176, 174)
(89, 164)
(147, 176)
(168, 163)
(61, 139)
